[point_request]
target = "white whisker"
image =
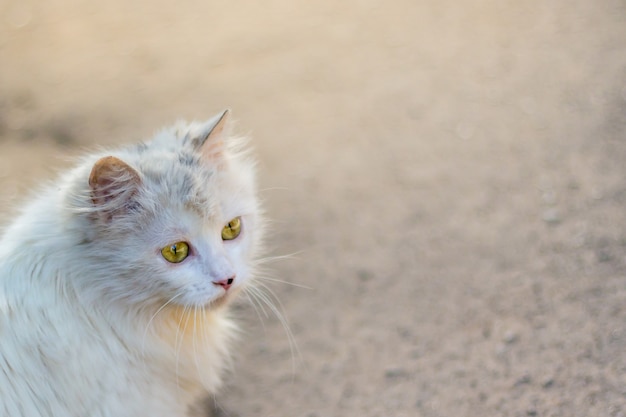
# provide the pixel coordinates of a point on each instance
(268, 259)
(177, 345)
(203, 330)
(261, 277)
(194, 344)
(263, 293)
(253, 303)
(145, 333)
(262, 190)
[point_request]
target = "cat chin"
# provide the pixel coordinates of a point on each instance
(224, 299)
(218, 302)
(188, 318)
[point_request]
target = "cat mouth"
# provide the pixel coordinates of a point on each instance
(224, 298)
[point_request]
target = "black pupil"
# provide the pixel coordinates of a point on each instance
(174, 249)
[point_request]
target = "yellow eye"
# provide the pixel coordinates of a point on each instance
(232, 229)
(176, 252)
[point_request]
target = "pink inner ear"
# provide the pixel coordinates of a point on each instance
(213, 151)
(213, 146)
(111, 179)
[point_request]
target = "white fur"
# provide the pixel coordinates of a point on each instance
(93, 321)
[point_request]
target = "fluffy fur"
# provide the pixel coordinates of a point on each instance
(93, 320)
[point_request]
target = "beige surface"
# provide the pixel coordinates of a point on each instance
(451, 175)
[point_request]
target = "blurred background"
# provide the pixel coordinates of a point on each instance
(449, 175)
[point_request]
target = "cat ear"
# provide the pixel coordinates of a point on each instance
(113, 184)
(210, 142)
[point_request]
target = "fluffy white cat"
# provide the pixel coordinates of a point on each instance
(114, 279)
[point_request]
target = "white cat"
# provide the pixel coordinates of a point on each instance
(114, 280)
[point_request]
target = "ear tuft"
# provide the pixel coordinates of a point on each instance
(113, 184)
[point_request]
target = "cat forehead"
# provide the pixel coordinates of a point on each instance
(175, 167)
(181, 138)
(180, 174)
(171, 165)
(181, 143)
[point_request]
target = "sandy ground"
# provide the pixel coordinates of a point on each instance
(449, 175)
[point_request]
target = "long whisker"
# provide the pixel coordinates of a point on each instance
(264, 278)
(195, 348)
(274, 258)
(253, 303)
(254, 292)
(267, 296)
(273, 189)
(218, 409)
(177, 345)
(204, 334)
(143, 341)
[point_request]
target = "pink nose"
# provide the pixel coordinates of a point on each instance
(225, 283)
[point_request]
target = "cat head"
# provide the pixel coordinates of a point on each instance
(175, 220)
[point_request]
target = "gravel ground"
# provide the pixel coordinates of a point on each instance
(449, 178)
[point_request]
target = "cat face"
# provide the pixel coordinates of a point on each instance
(176, 219)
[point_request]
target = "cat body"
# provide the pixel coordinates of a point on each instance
(114, 281)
